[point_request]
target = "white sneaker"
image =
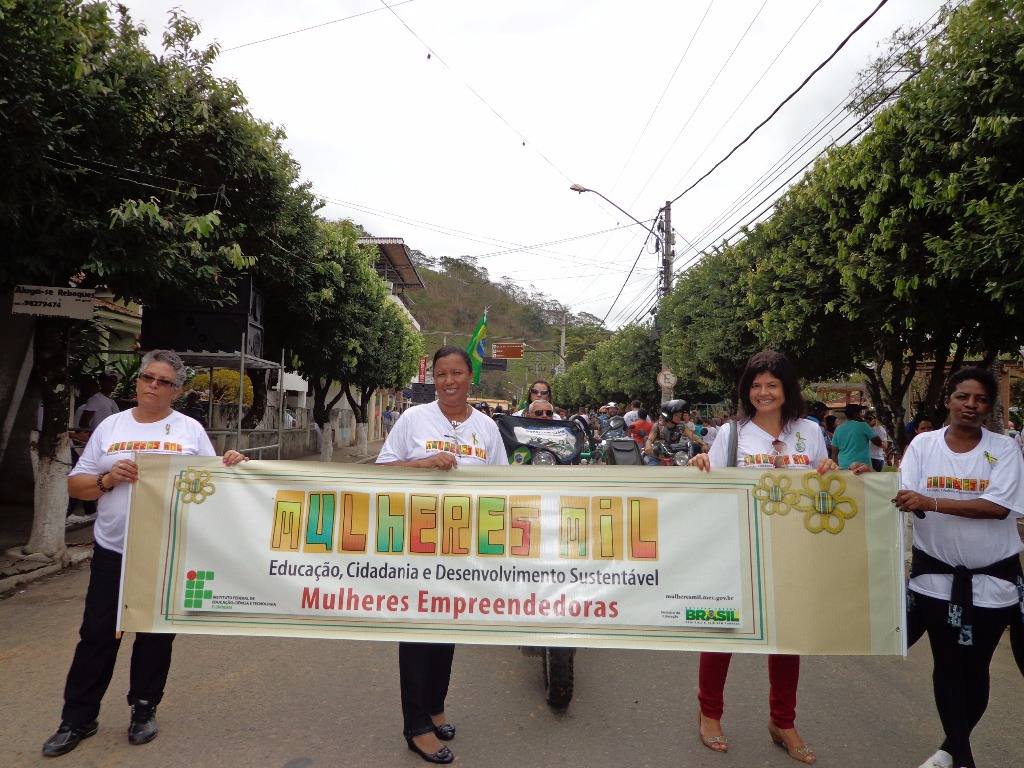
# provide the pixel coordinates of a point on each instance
(940, 759)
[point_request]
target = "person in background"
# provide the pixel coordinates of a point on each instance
(818, 412)
(632, 414)
(922, 424)
(105, 473)
(710, 431)
(852, 438)
(642, 426)
(100, 406)
(87, 388)
(541, 409)
(539, 390)
(418, 440)
(612, 409)
(877, 452)
(965, 486)
(771, 435)
(830, 429)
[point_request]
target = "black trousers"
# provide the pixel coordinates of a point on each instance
(425, 669)
(96, 652)
(960, 675)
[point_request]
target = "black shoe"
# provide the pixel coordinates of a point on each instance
(142, 729)
(445, 732)
(67, 737)
(443, 755)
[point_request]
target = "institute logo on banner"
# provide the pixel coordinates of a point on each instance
(195, 588)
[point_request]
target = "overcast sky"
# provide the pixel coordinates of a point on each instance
(459, 125)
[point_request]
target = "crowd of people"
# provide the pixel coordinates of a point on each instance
(965, 589)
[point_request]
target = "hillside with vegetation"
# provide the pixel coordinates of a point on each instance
(458, 290)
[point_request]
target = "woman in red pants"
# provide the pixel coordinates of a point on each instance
(770, 433)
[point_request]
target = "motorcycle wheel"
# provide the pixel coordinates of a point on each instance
(558, 675)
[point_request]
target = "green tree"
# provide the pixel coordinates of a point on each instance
(389, 353)
(123, 169)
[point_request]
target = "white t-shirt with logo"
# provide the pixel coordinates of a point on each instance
(424, 431)
(805, 446)
(994, 471)
(122, 437)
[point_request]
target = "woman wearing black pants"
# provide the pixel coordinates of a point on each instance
(964, 484)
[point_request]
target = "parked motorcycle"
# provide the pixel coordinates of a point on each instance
(549, 443)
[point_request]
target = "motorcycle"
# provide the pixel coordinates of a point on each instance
(675, 454)
(617, 446)
(544, 442)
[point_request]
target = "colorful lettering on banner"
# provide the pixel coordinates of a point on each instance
(457, 525)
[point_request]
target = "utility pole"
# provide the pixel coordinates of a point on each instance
(561, 354)
(668, 254)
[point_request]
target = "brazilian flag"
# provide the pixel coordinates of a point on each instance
(477, 348)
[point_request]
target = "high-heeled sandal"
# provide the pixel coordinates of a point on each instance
(803, 754)
(714, 743)
(442, 756)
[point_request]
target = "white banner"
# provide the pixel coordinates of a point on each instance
(599, 556)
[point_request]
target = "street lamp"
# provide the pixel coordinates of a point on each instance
(666, 260)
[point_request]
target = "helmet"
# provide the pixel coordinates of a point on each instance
(672, 407)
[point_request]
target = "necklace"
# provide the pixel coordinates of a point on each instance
(456, 423)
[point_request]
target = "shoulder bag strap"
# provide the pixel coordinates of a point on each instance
(734, 441)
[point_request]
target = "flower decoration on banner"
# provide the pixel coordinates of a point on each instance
(774, 493)
(824, 503)
(194, 486)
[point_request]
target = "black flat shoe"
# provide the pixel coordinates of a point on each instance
(445, 732)
(443, 755)
(67, 737)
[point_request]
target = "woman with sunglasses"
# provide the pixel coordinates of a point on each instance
(771, 435)
(539, 390)
(104, 474)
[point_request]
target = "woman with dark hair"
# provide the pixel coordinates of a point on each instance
(966, 586)
(539, 390)
(771, 434)
(439, 435)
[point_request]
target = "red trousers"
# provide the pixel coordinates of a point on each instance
(783, 678)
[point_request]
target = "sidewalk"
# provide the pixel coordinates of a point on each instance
(17, 569)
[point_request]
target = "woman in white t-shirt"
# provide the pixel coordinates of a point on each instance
(966, 587)
(105, 473)
(771, 435)
(445, 434)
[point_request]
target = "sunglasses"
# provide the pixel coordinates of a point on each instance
(778, 446)
(539, 392)
(148, 378)
(542, 413)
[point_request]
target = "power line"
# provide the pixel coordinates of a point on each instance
(785, 101)
(833, 119)
(662, 96)
(732, 53)
(743, 101)
(307, 29)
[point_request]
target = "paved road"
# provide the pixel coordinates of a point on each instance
(280, 703)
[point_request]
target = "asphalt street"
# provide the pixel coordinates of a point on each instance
(287, 703)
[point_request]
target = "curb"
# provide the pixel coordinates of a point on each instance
(75, 556)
